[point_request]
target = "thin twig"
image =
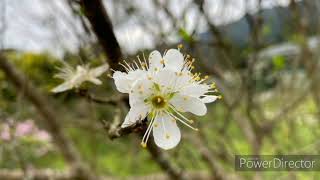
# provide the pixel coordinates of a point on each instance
(109, 101)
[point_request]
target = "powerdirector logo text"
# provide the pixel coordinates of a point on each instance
(277, 162)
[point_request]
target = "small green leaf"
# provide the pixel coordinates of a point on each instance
(185, 35)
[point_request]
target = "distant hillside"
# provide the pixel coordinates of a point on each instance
(276, 29)
(276, 25)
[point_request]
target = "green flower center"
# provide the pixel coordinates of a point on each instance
(159, 102)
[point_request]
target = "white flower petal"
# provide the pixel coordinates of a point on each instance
(209, 99)
(183, 79)
(166, 133)
(81, 69)
(195, 90)
(62, 87)
(137, 74)
(189, 104)
(137, 112)
(173, 60)
(140, 91)
(122, 82)
(95, 81)
(95, 72)
(155, 60)
(165, 78)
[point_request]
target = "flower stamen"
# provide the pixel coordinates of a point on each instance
(183, 117)
(148, 132)
(188, 125)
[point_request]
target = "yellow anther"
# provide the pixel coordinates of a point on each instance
(159, 100)
(162, 61)
(188, 56)
(167, 136)
(219, 97)
(191, 121)
(144, 145)
(206, 77)
(149, 77)
(180, 46)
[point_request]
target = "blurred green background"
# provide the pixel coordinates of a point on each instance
(263, 56)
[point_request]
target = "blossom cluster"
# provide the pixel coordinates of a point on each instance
(161, 90)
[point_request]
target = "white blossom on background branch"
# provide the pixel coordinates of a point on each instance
(74, 77)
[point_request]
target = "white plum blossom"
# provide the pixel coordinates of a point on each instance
(74, 77)
(161, 90)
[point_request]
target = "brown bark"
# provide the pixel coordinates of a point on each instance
(102, 27)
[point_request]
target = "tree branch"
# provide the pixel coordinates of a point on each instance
(163, 161)
(102, 27)
(47, 174)
(109, 101)
(49, 116)
(98, 17)
(161, 158)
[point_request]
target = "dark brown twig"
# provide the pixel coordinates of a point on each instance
(102, 27)
(108, 101)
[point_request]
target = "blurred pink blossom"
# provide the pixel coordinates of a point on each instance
(5, 132)
(25, 128)
(42, 135)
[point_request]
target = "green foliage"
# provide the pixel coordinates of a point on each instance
(38, 67)
(278, 62)
(124, 156)
(185, 35)
(297, 38)
(266, 30)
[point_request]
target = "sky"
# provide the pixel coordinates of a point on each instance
(46, 25)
